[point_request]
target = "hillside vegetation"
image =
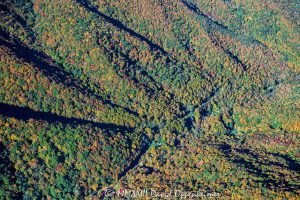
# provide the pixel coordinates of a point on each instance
(149, 94)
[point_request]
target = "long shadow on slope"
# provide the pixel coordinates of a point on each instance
(131, 67)
(125, 72)
(220, 27)
(52, 70)
(135, 162)
(120, 25)
(266, 171)
(196, 10)
(142, 72)
(236, 59)
(25, 113)
(18, 19)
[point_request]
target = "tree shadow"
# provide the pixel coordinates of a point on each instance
(131, 67)
(17, 18)
(271, 174)
(211, 23)
(54, 71)
(133, 63)
(222, 28)
(236, 59)
(25, 113)
(196, 10)
(144, 148)
(118, 24)
(8, 173)
(169, 60)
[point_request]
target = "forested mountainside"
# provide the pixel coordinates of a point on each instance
(162, 95)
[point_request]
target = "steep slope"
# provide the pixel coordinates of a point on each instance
(167, 95)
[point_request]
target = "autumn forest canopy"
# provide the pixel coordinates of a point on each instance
(188, 95)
